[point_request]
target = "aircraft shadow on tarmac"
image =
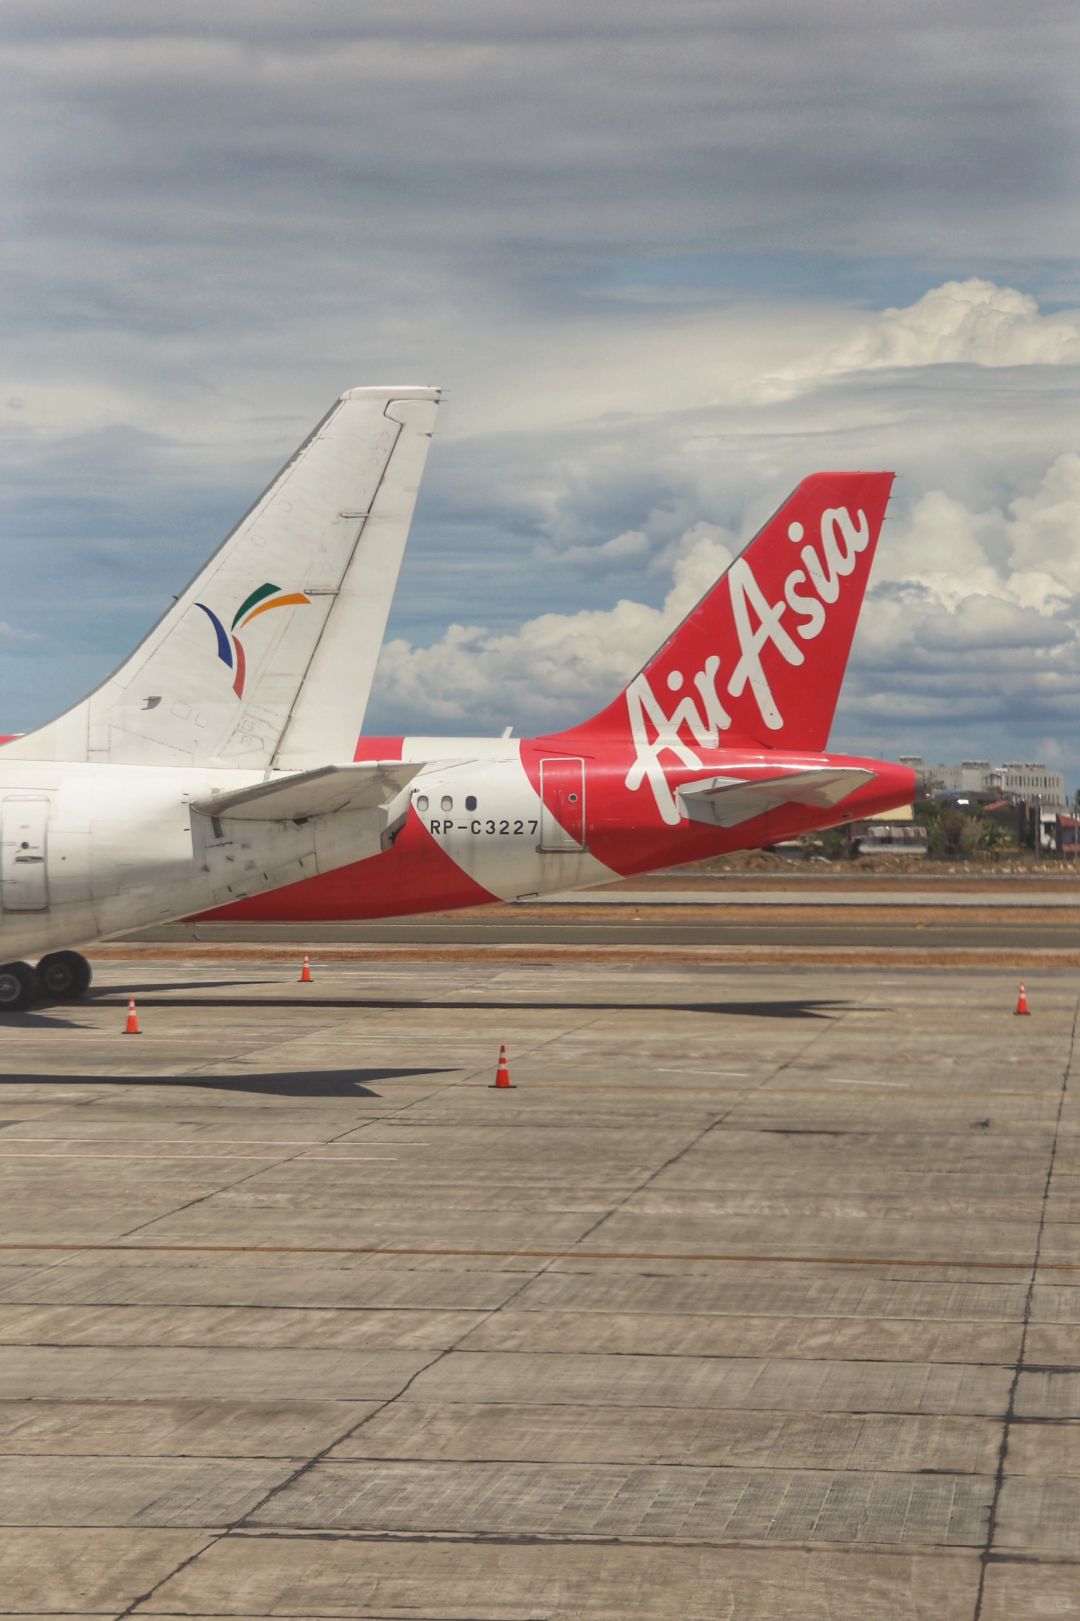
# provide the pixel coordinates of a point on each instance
(109, 993)
(62, 1019)
(797, 1008)
(350, 1083)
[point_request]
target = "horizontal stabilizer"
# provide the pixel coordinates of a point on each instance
(322, 792)
(729, 801)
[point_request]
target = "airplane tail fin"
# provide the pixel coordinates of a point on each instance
(761, 658)
(267, 658)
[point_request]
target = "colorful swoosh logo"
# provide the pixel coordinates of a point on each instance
(229, 647)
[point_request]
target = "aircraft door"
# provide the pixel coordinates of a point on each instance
(562, 794)
(24, 883)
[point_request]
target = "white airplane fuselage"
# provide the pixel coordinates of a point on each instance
(88, 851)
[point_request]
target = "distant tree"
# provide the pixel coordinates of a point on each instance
(958, 832)
(834, 843)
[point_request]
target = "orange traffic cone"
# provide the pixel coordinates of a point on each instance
(132, 1026)
(305, 972)
(502, 1074)
(1021, 1000)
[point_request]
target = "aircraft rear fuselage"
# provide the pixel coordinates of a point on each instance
(497, 820)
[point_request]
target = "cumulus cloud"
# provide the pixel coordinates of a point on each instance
(973, 322)
(611, 556)
(1045, 533)
(983, 642)
(988, 624)
(556, 666)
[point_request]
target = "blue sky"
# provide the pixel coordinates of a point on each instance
(664, 260)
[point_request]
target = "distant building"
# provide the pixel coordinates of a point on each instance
(1017, 781)
(878, 836)
(1068, 836)
(1032, 780)
(969, 777)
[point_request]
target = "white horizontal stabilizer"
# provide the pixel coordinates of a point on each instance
(729, 801)
(302, 795)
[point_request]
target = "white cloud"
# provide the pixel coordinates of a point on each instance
(611, 557)
(75, 405)
(554, 666)
(973, 322)
(988, 624)
(944, 546)
(1045, 532)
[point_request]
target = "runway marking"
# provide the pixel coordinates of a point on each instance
(226, 1142)
(223, 1142)
(839, 1080)
(382, 1159)
(727, 1073)
(766, 1092)
(549, 1255)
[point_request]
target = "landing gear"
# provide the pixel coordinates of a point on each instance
(19, 987)
(64, 976)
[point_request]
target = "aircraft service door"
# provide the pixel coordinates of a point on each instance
(23, 869)
(562, 817)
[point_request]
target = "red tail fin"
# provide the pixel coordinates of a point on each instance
(762, 656)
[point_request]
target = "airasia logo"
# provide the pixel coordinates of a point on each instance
(800, 616)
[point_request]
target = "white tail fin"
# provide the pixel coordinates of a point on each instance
(223, 681)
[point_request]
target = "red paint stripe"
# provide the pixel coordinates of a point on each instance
(415, 875)
(241, 669)
(379, 748)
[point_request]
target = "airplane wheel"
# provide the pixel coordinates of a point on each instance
(64, 976)
(19, 987)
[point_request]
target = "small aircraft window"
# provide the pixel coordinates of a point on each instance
(573, 799)
(447, 802)
(421, 802)
(470, 801)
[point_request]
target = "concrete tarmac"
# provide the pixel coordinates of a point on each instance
(757, 1297)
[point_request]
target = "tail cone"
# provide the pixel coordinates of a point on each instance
(132, 1026)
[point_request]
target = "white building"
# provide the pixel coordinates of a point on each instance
(1026, 780)
(1030, 780)
(969, 777)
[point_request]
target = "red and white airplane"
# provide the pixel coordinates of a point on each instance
(181, 785)
(718, 744)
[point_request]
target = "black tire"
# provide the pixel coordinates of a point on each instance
(64, 976)
(19, 987)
